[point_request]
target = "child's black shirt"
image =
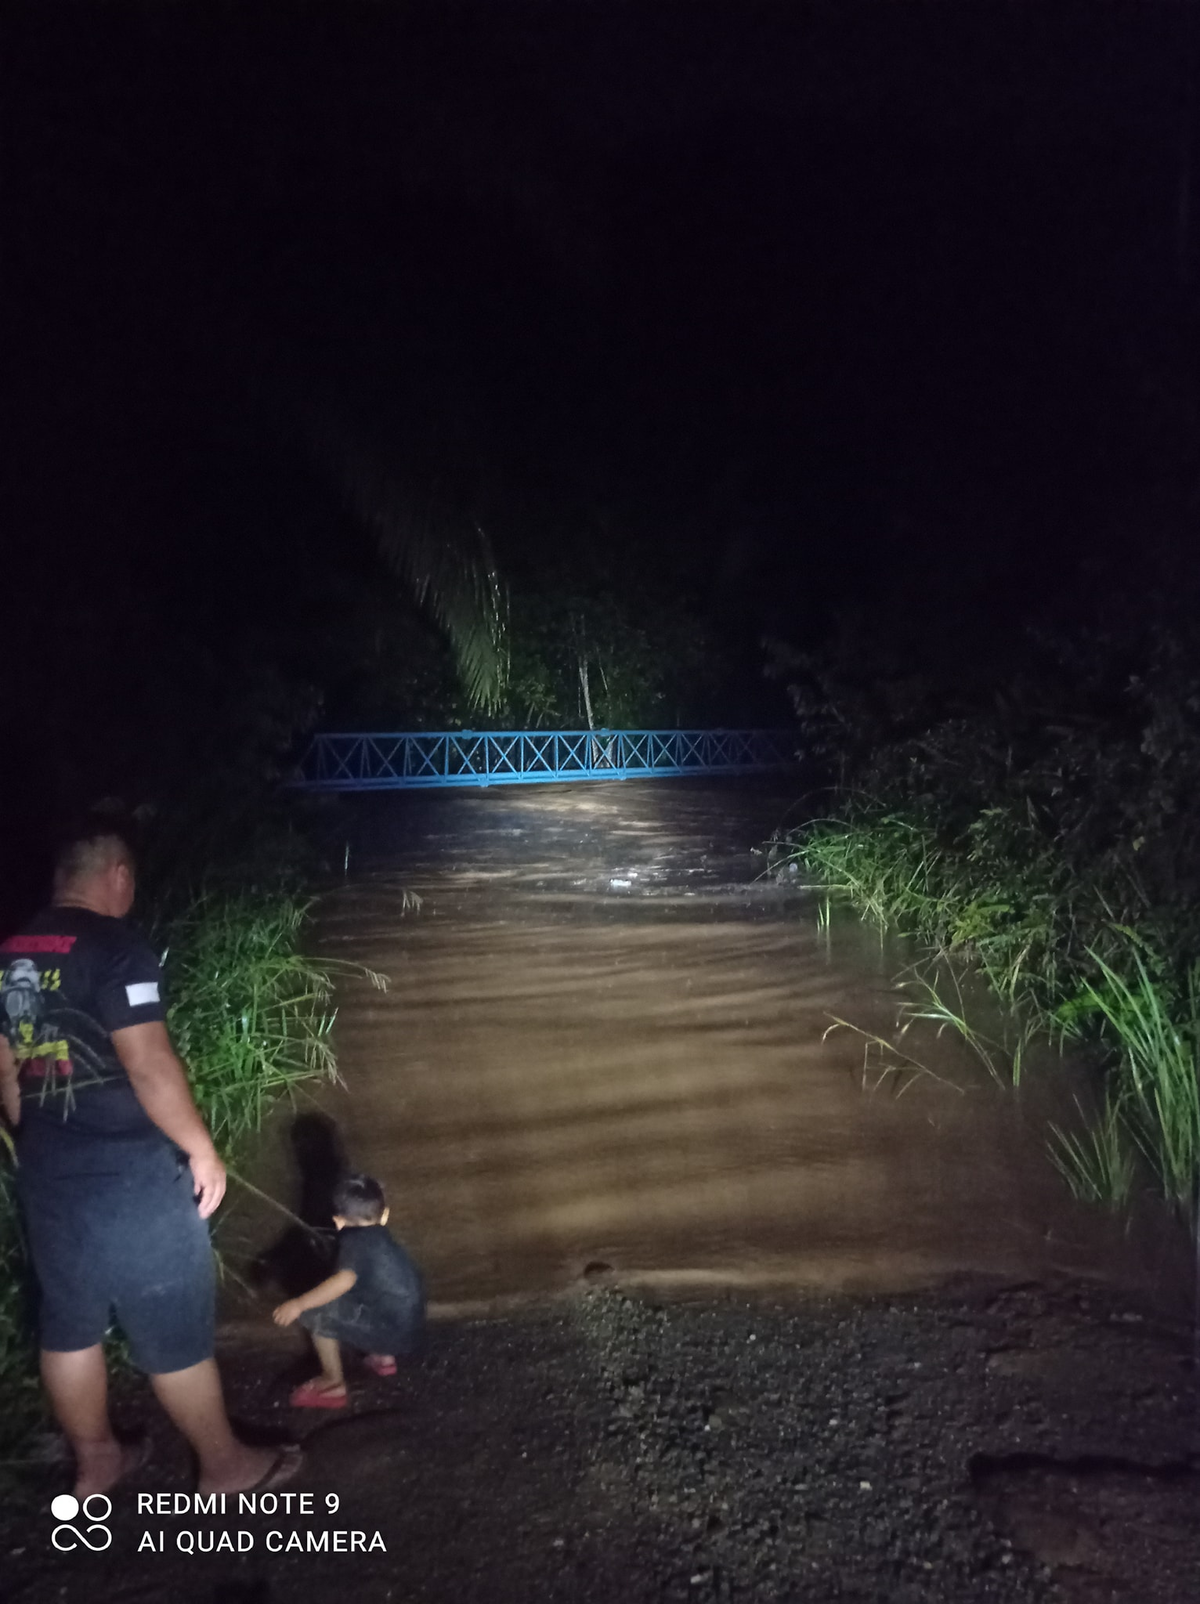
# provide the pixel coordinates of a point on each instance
(388, 1282)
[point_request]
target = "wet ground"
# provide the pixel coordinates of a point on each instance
(978, 1442)
(714, 1321)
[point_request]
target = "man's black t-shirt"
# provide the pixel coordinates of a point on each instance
(67, 982)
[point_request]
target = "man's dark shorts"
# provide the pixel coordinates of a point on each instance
(126, 1238)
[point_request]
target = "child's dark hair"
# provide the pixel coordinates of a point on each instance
(359, 1199)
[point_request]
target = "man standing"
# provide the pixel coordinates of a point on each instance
(116, 1173)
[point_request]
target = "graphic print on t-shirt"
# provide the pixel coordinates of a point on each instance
(27, 1013)
(69, 981)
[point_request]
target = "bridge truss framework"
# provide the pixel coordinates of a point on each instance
(407, 760)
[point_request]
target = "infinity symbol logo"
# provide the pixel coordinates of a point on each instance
(65, 1537)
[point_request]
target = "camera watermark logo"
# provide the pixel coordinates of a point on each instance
(95, 1509)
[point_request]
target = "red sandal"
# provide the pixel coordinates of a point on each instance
(311, 1396)
(380, 1364)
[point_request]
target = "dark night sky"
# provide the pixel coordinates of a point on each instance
(821, 305)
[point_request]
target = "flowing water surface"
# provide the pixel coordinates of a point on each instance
(606, 1045)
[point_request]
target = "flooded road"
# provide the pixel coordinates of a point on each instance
(604, 1047)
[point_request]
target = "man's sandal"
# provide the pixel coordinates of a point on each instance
(284, 1469)
(379, 1364)
(311, 1396)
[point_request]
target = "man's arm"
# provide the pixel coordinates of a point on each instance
(10, 1095)
(160, 1085)
(340, 1281)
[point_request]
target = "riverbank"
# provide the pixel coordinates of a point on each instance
(983, 1441)
(1040, 832)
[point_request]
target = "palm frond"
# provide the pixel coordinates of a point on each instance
(444, 557)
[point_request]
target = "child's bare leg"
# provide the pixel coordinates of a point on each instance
(329, 1352)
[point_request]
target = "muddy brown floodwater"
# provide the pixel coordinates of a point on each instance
(605, 1048)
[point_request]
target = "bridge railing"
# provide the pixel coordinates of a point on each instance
(385, 761)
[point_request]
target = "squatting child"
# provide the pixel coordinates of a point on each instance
(374, 1301)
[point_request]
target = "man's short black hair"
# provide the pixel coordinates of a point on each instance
(89, 847)
(358, 1198)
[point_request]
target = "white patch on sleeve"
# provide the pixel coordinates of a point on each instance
(146, 991)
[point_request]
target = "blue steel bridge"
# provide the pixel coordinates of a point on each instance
(411, 760)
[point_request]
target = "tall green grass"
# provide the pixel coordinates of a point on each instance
(1007, 903)
(1096, 1159)
(1153, 1094)
(250, 1012)
(18, 1370)
(1012, 917)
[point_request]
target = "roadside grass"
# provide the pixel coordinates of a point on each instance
(1008, 906)
(250, 1012)
(935, 997)
(20, 1399)
(1096, 1161)
(1155, 1097)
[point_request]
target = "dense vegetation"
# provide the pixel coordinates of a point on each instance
(579, 652)
(1047, 833)
(586, 643)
